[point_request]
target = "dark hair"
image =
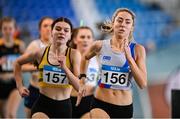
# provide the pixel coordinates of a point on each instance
(62, 19)
(41, 21)
(70, 42)
(7, 19)
(75, 33)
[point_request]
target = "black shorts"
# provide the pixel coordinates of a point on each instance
(83, 107)
(34, 94)
(6, 87)
(114, 111)
(52, 108)
(175, 98)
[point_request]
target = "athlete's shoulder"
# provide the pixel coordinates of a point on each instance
(32, 46)
(140, 50)
(41, 52)
(98, 42)
(97, 45)
(34, 43)
(75, 52)
(18, 42)
(139, 47)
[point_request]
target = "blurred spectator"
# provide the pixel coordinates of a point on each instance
(10, 49)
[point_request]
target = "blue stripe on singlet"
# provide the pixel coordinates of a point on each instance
(132, 53)
(115, 68)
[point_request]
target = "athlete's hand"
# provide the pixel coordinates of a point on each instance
(23, 91)
(127, 50)
(81, 93)
(62, 61)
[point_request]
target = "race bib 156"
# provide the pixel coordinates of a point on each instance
(113, 75)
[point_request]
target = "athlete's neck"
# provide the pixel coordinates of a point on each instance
(118, 42)
(59, 49)
(8, 41)
(80, 50)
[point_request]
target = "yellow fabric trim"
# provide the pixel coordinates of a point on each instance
(43, 84)
(16, 41)
(68, 59)
(1, 41)
(44, 59)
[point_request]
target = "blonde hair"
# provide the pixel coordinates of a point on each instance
(107, 25)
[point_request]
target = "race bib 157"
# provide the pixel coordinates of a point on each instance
(54, 75)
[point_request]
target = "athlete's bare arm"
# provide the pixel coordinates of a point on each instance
(22, 46)
(138, 67)
(76, 60)
(93, 51)
(29, 66)
(23, 59)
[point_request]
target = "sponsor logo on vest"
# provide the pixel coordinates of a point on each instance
(107, 58)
